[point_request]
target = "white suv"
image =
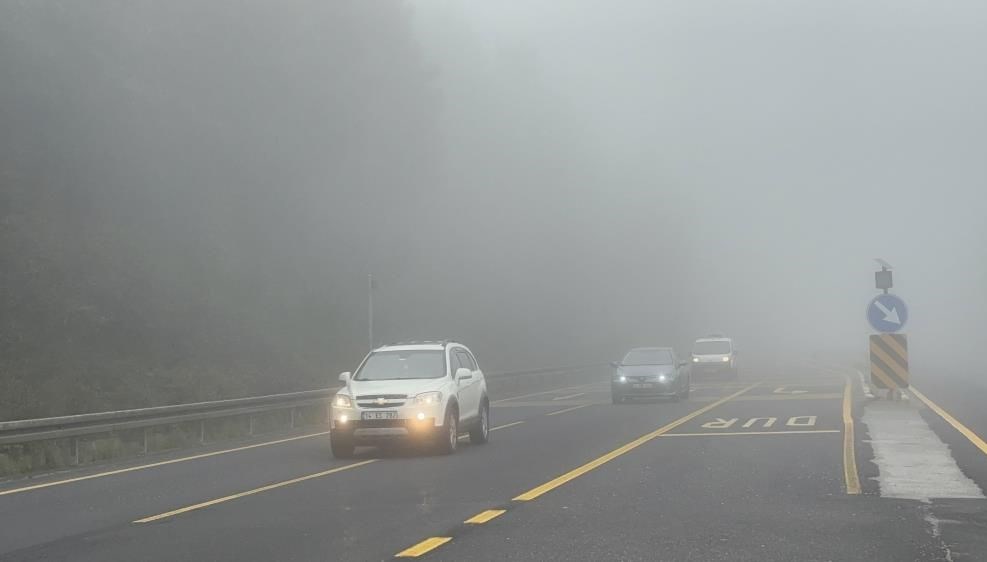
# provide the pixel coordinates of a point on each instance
(421, 391)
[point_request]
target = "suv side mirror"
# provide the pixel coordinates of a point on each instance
(463, 374)
(344, 377)
(614, 364)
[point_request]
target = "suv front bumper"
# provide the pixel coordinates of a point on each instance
(412, 422)
(375, 431)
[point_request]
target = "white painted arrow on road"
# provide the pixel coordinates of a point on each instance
(889, 315)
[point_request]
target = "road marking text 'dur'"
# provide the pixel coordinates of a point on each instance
(794, 421)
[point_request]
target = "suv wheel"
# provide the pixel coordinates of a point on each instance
(480, 433)
(342, 447)
(448, 435)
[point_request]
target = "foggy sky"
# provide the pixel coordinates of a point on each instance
(795, 141)
(197, 194)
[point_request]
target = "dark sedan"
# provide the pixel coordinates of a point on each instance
(650, 372)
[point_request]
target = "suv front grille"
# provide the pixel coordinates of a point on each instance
(381, 400)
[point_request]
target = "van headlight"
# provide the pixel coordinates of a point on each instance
(342, 401)
(429, 398)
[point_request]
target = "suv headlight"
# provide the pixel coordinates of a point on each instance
(429, 398)
(695, 360)
(725, 359)
(342, 401)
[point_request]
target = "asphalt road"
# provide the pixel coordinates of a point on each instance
(962, 523)
(755, 469)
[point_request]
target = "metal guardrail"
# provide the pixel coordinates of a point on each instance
(139, 415)
(73, 432)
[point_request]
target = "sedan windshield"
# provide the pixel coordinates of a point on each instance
(711, 348)
(394, 365)
(647, 357)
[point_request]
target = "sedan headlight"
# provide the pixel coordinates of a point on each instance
(429, 398)
(662, 378)
(622, 378)
(342, 401)
(695, 360)
(725, 359)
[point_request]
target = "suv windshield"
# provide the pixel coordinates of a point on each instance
(647, 357)
(711, 348)
(395, 365)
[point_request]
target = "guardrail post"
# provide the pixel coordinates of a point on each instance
(145, 440)
(202, 432)
(75, 451)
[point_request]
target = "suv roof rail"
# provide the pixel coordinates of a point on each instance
(418, 342)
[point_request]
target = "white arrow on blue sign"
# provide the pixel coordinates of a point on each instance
(887, 313)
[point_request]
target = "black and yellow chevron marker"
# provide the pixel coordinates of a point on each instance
(889, 360)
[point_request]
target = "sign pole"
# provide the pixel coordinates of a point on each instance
(887, 315)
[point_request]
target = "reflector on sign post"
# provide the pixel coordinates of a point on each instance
(889, 361)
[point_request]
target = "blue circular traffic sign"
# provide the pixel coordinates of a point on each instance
(887, 313)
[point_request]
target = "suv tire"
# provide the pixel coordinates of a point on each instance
(480, 433)
(447, 438)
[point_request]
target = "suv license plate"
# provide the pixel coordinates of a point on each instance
(388, 415)
(642, 385)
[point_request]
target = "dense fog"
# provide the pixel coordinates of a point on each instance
(192, 194)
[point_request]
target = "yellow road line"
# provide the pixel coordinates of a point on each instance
(423, 547)
(252, 492)
(484, 516)
(850, 474)
(157, 464)
(734, 433)
(576, 473)
(567, 410)
(966, 431)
